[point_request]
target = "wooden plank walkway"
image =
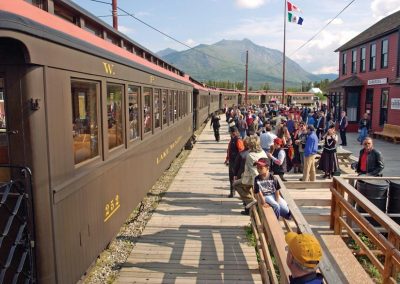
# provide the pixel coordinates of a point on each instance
(196, 234)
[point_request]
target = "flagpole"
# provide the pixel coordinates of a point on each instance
(284, 52)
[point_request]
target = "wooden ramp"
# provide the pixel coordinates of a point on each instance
(196, 234)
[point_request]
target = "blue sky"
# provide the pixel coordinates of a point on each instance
(208, 21)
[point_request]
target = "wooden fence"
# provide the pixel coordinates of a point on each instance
(345, 219)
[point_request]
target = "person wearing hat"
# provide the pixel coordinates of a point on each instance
(278, 159)
(266, 187)
(235, 146)
(304, 255)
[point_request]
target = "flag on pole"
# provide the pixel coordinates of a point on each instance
(295, 19)
(293, 8)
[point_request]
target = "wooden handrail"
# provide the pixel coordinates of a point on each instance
(343, 214)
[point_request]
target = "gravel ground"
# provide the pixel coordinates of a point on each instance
(108, 264)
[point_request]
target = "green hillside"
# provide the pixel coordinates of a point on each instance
(225, 60)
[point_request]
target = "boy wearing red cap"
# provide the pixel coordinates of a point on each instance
(304, 255)
(266, 186)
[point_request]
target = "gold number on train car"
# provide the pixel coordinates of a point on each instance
(109, 68)
(111, 207)
(152, 79)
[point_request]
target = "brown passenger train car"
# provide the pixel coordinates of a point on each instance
(96, 120)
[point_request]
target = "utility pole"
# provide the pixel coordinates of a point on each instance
(247, 69)
(115, 14)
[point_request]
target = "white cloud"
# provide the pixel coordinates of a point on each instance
(126, 30)
(326, 70)
(250, 4)
(336, 21)
(190, 42)
(382, 8)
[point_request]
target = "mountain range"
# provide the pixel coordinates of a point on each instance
(226, 59)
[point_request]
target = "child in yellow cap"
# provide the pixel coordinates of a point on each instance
(304, 255)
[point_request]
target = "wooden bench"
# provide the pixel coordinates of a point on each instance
(390, 132)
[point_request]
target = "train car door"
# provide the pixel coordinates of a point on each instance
(195, 108)
(16, 215)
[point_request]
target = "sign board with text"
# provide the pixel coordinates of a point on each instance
(395, 103)
(380, 81)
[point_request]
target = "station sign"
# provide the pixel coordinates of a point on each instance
(380, 81)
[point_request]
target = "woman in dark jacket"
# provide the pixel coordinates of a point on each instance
(329, 162)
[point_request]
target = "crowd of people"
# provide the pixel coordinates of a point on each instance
(286, 140)
(268, 142)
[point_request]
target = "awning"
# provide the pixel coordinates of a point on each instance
(352, 81)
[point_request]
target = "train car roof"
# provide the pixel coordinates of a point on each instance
(21, 16)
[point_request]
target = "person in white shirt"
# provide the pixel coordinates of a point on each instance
(267, 138)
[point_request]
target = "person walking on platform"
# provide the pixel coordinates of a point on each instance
(266, 187)
(329, 162)
(278, 159)
(235, 146)
(320, 125)
(363, 129)
(303, 257)
(215, 125)
(370, 161)
(310, 152)
(243, 185)
(267, 137)
(343, 123)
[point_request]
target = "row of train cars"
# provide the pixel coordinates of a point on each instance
(89, 120)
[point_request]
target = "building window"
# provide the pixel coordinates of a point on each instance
(157, 108)
(384, 107)
(114, 115)
(164, 106)
(85, 111)
(372, 57)
(363, 53)
(384, 53)
(133, 101)
(147, 109)
(344, 65)
(354, 61)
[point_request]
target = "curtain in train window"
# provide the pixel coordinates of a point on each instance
(147, 110)
(85, 111)
(157, 108)
(171, 106)
(114, 115)
(164, 106)
(176, 104)
(133, 107)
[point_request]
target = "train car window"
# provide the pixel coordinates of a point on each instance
(157, 108)
(85, 109)
(171, 106)
(133, 99)
(114, 115)
(164, 106)
(180, 112)
(176, 101)
(147, 109)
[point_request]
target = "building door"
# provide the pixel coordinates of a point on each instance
(383, 117)
(369, 102)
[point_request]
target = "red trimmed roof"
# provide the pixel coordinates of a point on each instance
(24, 9)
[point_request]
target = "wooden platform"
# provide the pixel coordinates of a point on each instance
(196, 234)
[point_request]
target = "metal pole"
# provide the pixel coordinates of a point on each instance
(247, 69)
(284, 53)
(115, 14)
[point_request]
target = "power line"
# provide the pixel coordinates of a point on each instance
(167, 35)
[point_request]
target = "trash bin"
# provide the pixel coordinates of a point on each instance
(394, 199)
(375, 191)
